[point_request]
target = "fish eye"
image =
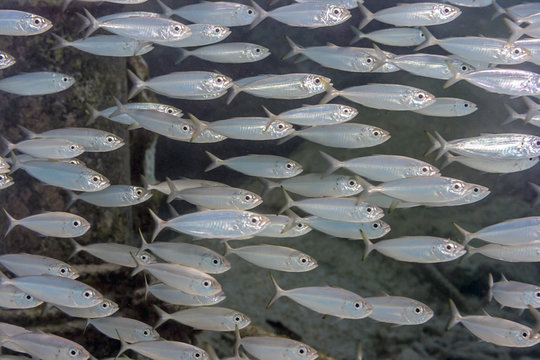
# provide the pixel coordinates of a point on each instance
(63, 270)
(537, 294)
(457, 186)
(1, 177)
(237, 318)
(254, 220)
(281, 126)
(422, 35)
(218, 80)
(76, 223)
(87, 294)
(446, 10)
(215, 261)
(104, 305)
(299, 225)
(73, 352)
(139, 192)
(37, 21)
(418, 310)
(476, 189)
(336, 11)
(72, 147)
(250, 11)
(537, 142)
(420, 96)
(368, 210)
(197, 355)
(206, 283)
(424, 169)
(317, 81)
(28, 297)
(95, 179)
(357, 305)
(2, 57)
(303, 260)
(144, 257)
(302, 351)
(375, 226)
(466, 105)
(345, 111)
(146, 332)
(289, 165)
(517, 51)
(449, 246)
(247, 197)
(170, 111)
(65, 79)
(369, 60)
(525, 334)
(531, 159)
(257, 50)
(376, 133)
(185, 128)
(177, 28)
(464, 68)
(352, 183)
(110, 139)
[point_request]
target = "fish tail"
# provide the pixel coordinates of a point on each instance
(499, 10)
(512, 115)
(3, 278)
(62, 43)
(216, 162)
(443, 145)
(85, 22)
(261, 14)
(144, 243)
(72, 198)
(93, 24)
(173, 194)
(456, 75)
(198, 126)
(516, 30)
(145, 288)
(449, 158)
(380, 58)
(183, 54)
(358, 35)
(124, 346)
(289, 202)
(331, 93)
(368, 245)
(295, 49)
(293, 219)
(271, 117)
(12, 222)
(367, 189)
(76, 248)
(268, 185)
(456, 316)
(85, 324)
(490, 291)
(430, 39)
(467, 236)
(94, 114)
(138, 85)
(9, 146)
(160, 224)
(228, 249)
(15, 163)
(28, 133)
(536, 188)
(533, 109)
(435, 145)
(368, 16)
(279, 292)
(139, 265)
(235, 90)
(165, 10)
(333, 164)
(173, 211)
(163, 316)
(238, 339)
(65, 4)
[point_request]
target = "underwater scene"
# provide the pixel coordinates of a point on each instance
(272, 180)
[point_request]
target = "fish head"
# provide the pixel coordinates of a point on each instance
(70, 149)
(217, 82)
(533, 145)
(300, 351)
(95, 181)
(255, 52)
(197, 354)
(240, 319)
(522, 336)
(175, 32)
(374, 135)
(445, 12)
(207, 286)
(527, 163)
(513, 54)
(417, 313)
(251, 221)
(245, 14)
(369, 212)
(422, 169)
(216, 32)
(418, 99)
(146, 258)
(476, 193)
(138, 194)
(63, 270)
(299, 228)
(75, 162)
(110, 142)
(348, 185)
(62, 81)
(449, 250)
(532, 297)
(464, 107)
(358, 308)
(302, 262)
(34, 24)
(76, 225)
(25, 301)
(315, 84)
(246, 199)
(107, 307)
(462, 67)
(75, 352)
(287, 168)
(169, 110)
(145, 334)
(86, 297)
(214, 264)
(182, 130)
(458, 187)
(5, 181)
(6, 60)
(279, 128)
(344, 113)
(217, 298)
(334, 14)
(377, 229)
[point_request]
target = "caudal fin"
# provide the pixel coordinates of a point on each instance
(93, 24)
(228, 249)
(331, 93)
(456, 75)
(268, 185)
(490, 291)
(512, 115)
(8, 146)
(367, 189)
(467, 236)
(173, 194)
(12, 222)
(61, 43)
(160, 224)
(516, 30)
(165, 10)
(443, 145)
(368, 245)
(138, 84)
(235, 90)
(279, 292)
(295, 49)
(124, 346)
(271, 117)
(289, 202)
(163, 316)
(358, 35)
(456, 316)
(261, 14)
(368, 16)
(77, 248)
(430, 39)
(216, 162)
(333, 164)
(534, 109)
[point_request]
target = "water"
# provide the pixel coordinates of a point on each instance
(249, 288)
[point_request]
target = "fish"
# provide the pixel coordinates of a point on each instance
(36, 83)
(47, 346)
(306, 14)
(488, 146)
(23, 264)
(347, 4)
(514, 294)
(107, 45)
(401, 36)
(130, 330)
(482, 49)
(384, 96)
(164, 349)
(20, 23)
(286, 86)
(399, 310)
(417, 249)
(533, 45)
(448, 107)
(201, 34)
(212, 318)
(105, 308)
(217, 197)
(188, 85)
(267, 166)
(532, 30)
(52, 148)
(56, 290)
(112, 114)
(470, 3)
(114, 253)
(416, 14)
(494, 330)
(514, 253)
(327, 300)
(183, 184)
(178, 297)
(113, 196)
(91, 140)
(353, 231)
(382, 167)
(229, 53)
(55, 224)
(282, 226)
(181, 277)
(13, 298)
(249, 128)
(335, 208)
(313, 115)
(348, 136)
(497, 166)
(6, 60)
(195, 256)
(124, 2)
(274, 257)
(142, 28)
(5, 181)
(520, 231)
(532, 116)
(312, 185)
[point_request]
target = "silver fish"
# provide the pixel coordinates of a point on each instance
(287, 86)
(189, 85)
(533, 45)
(532, 116)
(164, 350)
(178, 297)
(20, 23)
(47, 346)
(13, 298)
(123, 2)
(268, 166)
(514, 294)
(251, 128)
(347, 4)
(168, 125)
(399, 310)
(417, 14)
(216, 12)
(195, 256)
(313, 115)
(182, 184)
(448, 107)
(53, 148)
(206, 318)
(514, 253)
(56, 290)
(91, 140)
(107, 45)
(311, 185)
(470, 3)
(115, 114)
(282, 226)
(373, 229)
(114, 253)
(382, 167)
(348, 136)
(36, 83)
(521, 231)
(130, 330)
(327, 300)
(275, 347)
(55, 224)
(227, 224)
(533, 30)
(229, 53)
(495, 330)
(27, 264)
(6, 60)
(274, 257)
(5, 181)
(105, 308)
(418, 249)
(403, 36)
(201, 34)
(114, 196)
(497, 166)
(384, 96)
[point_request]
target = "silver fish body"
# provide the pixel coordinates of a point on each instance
(218, 12)
(521, 231)
(105, 308)
(277, 348)
(164, 350)
(201, 34)
(115, 196)
(125, 118)
(309, 14)
(348, 136)
(6, 60)
(497, 166)
(114, 253)
(448, 107)
(347, 4)
(313, 115)
(311, 185)
(268, 166)
(168, 125)
(212, 318)
(251, 128)
(92, 140)
(4, 166)
(219, 197)
(178, 297)
(429, 65)
(416, 14)
(183, 184)
(107, 45)
(13, 298)
(53, 148)
(27, 264)
(403, 36)
(230, 53)
(130, 330)
(470, 3)
(514, 253)
(373, 230)
(279, 223)
(36, 83)
(55, 224)
(514, 294)
(533, 45)
(505, 81)
(399, 310)
(20, 23)
(48, 346)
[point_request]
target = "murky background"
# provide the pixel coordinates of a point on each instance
(247, 287)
